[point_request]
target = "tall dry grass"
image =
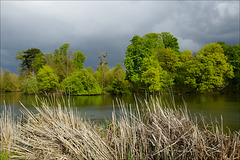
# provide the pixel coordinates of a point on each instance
(152, 131)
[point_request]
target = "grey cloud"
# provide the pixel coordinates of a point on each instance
(94, 26)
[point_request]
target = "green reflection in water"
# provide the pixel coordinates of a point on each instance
(100, 107)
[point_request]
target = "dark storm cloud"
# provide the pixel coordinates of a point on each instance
(95, 27)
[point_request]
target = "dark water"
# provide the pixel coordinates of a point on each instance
(101, 107)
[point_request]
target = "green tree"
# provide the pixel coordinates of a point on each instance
(168, 60)
(7, 83)
(170, 41)
(233, 54)
(208, 70)
(47, 79)
(79, 59)
(63, 64)
(103, 67)
(38, 62)
(30, 85)
(48, 57)
(147, 46)
(153, 75)
(140, 48)
(117, 82)
(81, 83)
(185, 60)
(27, 58)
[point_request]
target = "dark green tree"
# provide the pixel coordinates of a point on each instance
(170, 41)
(233, 54)
(27, 58)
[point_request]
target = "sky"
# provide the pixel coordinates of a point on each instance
(95, 27)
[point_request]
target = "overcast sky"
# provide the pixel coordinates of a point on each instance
(98, 26)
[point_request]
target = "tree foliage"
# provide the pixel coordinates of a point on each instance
(233, 54)
(81, 83)
(141, 49)
(153, 74)
(170, 41)
(30, 85)
(27, 58)
(47, 79)
(117, 82)
(79, 59)
(208, 70)
(7, 84)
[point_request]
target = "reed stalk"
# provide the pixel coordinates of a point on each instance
(151, 130)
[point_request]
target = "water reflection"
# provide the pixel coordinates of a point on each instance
(100, 107)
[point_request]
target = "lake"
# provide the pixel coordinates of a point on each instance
(98, 108)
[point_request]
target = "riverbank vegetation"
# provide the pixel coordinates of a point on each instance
(153, 130)
(153, 63)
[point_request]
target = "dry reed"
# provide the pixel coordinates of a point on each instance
(152, 131)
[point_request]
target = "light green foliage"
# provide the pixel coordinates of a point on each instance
(208, 70)
(78, 59)
(47, 79)
(81, 83)
(117, 82)
(7, 82)
(185, 56)
(30, 85)
(102, 76)
(152, 74)
(38, 62)
(48, 57)
(63, 66)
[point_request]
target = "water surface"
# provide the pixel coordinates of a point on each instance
(101, 107)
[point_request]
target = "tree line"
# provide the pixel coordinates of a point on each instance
(153, 63)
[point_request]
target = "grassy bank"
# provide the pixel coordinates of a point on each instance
(153, 131)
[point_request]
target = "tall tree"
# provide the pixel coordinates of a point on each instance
(140, 48)
(102, 67)
(79, 59)
(27, 58)
(63, 63)
(233, 54)
(152, 74)
(38, 62)
(170, 41)
(209, 69)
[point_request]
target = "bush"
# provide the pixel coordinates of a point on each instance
(30, 85)
(81, 83)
